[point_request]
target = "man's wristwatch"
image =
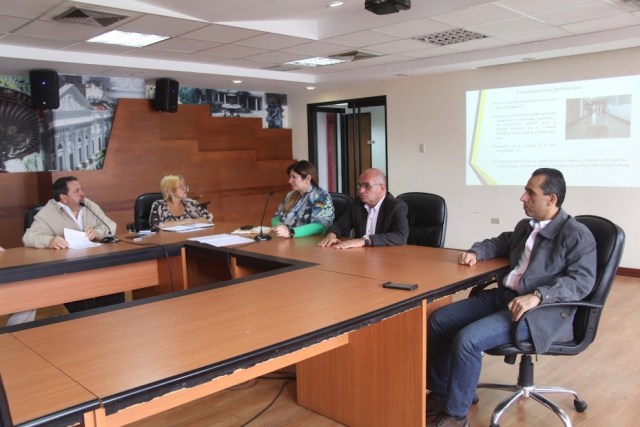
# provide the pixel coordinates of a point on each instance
(538, 294)
(367, 241)
(292, 232)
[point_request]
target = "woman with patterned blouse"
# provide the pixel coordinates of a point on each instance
(176, 208)
(308, 209)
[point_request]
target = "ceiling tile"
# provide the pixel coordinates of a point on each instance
(11, 23)
(507, 26)
(221, 33)
(234, 51)
(478, 44)
(26, 8)
(396, 46)
(361, 39)
(607, 23)
(531, 7)
(161, 25)
(428, 51)
(153, 53)
(184, 45)
(277, 57)
(60, 30)
(414, 28)
(273, 41)
(535, 35)
(316, 49)
(475, 15)
(39, 42)
(585, 12)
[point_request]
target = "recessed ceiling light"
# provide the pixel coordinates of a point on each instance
(237, 82)
(336, 3)
(317, 62)
(123, 38)
(311, 87)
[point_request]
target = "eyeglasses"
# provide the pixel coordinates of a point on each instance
(367, 185)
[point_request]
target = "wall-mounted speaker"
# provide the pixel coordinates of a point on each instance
(44, 89)
(166, 98)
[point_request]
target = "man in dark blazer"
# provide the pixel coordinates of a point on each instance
(376, 218)
(552, 258)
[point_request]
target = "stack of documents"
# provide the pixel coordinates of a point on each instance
(220, 240)
(188, 227)
(254, 230)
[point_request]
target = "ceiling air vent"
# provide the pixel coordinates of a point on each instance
(89, 17)
(443, 38)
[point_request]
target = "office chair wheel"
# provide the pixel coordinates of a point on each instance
(580, 405)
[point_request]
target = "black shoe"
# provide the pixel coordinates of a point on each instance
(445, 420)
(435, 404)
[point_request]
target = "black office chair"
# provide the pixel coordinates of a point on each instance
(142, 209)
(427, 219)
(341, 203)
(5, 413)
(29, 215)
(609, 244)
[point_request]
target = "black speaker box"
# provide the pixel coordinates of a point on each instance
(385, 7)
(44, 89)
(166, 98)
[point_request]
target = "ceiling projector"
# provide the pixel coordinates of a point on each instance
(385, 7)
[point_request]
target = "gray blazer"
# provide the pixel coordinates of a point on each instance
(562, 267)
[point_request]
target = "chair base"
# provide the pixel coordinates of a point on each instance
(534, 393)
(526, 388)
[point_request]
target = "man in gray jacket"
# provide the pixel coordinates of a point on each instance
(552, 258)
(68, 209)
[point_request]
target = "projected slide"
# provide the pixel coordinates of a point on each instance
(587, 129)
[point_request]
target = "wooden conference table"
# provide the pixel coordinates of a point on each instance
(359, 349)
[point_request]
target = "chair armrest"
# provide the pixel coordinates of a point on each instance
(520, 344)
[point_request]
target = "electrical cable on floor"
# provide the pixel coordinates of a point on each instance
(269, 405)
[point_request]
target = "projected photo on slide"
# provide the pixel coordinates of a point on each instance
(587, 129)
(603, 117)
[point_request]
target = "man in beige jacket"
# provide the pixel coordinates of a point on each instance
(68, 209)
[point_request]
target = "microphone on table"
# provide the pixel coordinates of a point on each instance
(262, 237)
(107, 239)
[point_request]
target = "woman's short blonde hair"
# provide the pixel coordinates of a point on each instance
(169, 184)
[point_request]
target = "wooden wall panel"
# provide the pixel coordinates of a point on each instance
(231, 162)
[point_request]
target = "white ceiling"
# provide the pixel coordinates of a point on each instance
(214, 42)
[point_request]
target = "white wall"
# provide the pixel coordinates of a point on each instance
(430, 110)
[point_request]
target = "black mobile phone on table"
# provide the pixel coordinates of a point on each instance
(402, 286)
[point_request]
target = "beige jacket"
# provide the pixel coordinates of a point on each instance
(52, 220)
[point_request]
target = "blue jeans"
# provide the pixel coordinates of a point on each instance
(457, 335)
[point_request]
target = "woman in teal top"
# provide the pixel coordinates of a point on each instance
(308, 209)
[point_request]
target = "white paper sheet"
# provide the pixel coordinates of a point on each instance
(220, 240)
(188, 227)
(78, 239)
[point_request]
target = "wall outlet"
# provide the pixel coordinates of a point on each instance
(495, 220)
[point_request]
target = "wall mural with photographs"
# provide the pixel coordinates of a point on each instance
(75, 136)
(271, 107)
